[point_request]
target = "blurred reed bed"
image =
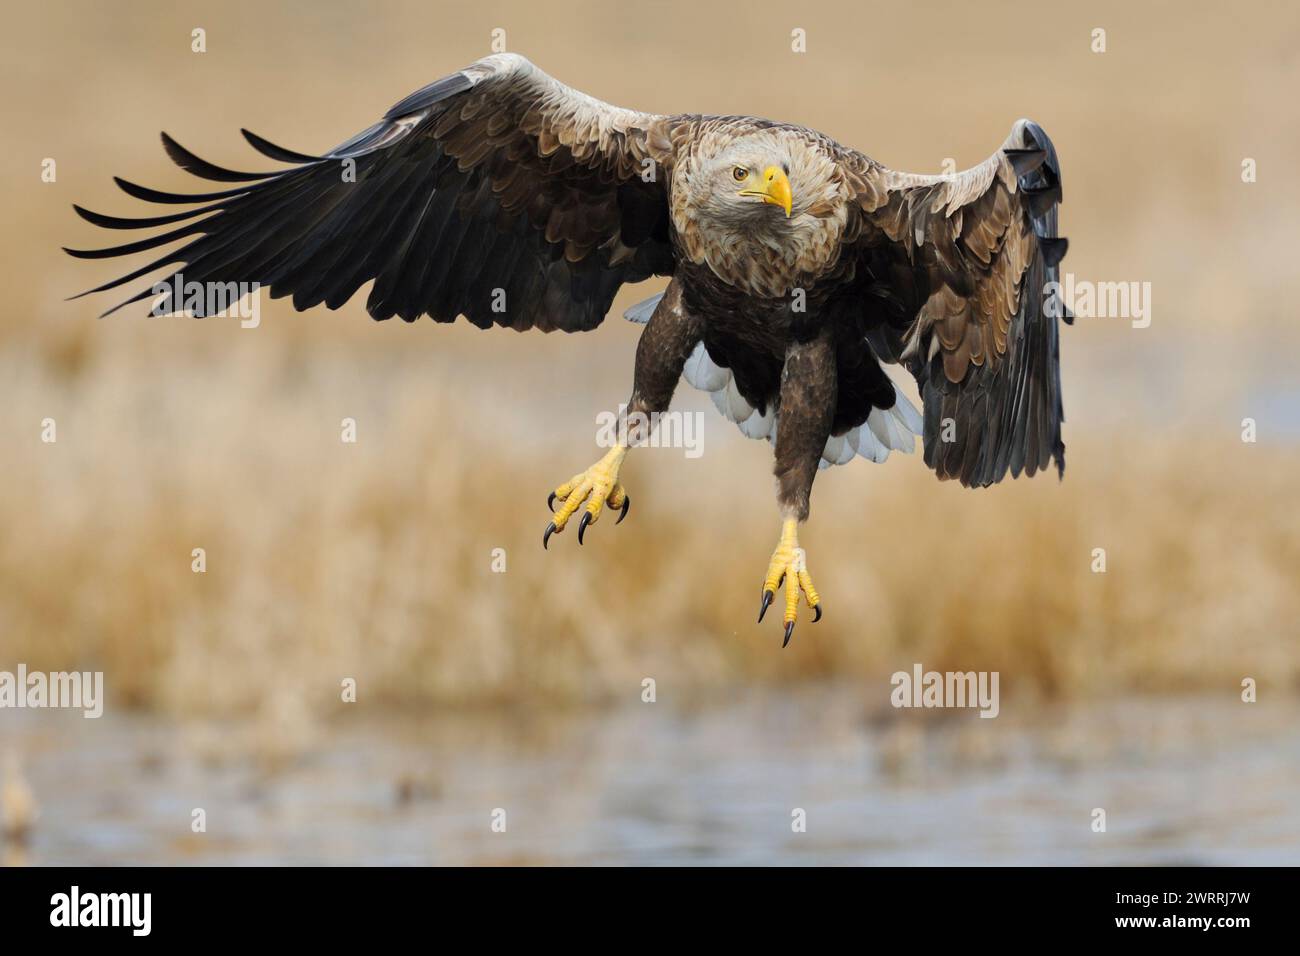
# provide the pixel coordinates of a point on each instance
(374, 560)
(328, 560)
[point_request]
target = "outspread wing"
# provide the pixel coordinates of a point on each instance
(962, 266)
(496, 193)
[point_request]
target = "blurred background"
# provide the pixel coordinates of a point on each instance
(522, 690)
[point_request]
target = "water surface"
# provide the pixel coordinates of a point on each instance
(1181, 781)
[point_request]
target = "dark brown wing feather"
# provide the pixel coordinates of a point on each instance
(960, 266)
(494, 178)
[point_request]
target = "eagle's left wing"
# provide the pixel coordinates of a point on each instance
(496, 193)
(962, 265)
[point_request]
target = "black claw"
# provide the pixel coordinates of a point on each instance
(582, 525)
(789, 629)
(627, 503)
(817, 610)
(767, 602)
(550, 503)
(550, 530)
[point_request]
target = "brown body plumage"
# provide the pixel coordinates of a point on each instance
(798, 265)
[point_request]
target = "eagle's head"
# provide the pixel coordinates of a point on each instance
(763, 207)
(747, 175)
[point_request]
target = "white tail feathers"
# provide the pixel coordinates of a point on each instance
(703, 374)
(885, 430)
(641, 312)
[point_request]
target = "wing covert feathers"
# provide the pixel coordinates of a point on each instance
(496, 193)
(982, 249)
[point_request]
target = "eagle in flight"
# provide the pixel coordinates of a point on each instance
(798, 267)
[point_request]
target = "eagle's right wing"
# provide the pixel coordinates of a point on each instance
(496, 192)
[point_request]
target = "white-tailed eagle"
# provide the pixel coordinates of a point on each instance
(798, 266)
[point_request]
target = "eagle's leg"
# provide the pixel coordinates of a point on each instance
(668, 340)
(807, 410)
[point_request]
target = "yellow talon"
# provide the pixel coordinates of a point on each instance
(789, 565)
(596, 486)
(617, 497)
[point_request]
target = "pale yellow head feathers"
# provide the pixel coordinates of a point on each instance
(763, 206)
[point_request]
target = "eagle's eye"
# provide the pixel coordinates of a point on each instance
(739, 173)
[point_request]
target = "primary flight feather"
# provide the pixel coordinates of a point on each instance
(798, 266)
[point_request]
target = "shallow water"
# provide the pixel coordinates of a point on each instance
(1181, 781)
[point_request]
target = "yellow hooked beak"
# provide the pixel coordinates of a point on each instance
(774, 188)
